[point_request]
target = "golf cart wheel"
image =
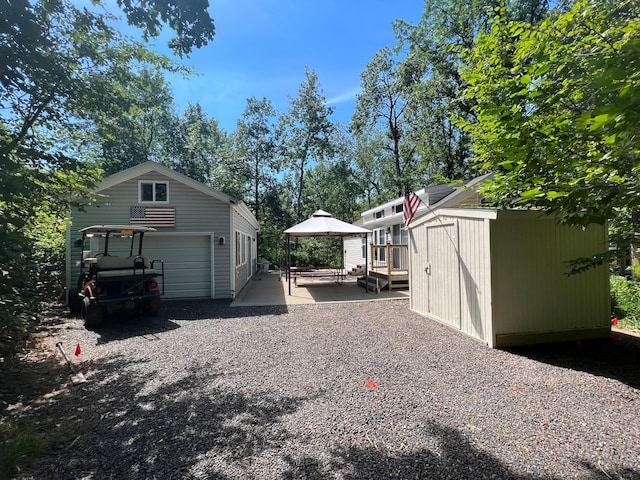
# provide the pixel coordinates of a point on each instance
(74, 303)
(152, 306)
(91, 313)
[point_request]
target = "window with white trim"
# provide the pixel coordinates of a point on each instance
(241, 249)
(151, 191)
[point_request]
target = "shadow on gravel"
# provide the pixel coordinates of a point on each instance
(117, 425)
(126, 325)
(456, 457)
(616, 359)
(215, 309)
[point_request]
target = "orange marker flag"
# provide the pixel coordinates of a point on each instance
(371, 384)
(78, 350)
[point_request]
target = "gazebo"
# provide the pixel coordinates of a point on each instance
(321, 224)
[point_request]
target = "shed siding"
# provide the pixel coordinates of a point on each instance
(460, 279)
(511, 268)
(195, 212)
(530, 269)
(475, 278)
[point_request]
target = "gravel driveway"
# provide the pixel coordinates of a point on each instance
(346, 391)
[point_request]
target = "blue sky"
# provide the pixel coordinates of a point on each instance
(261, 49)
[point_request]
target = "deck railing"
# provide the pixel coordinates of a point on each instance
(390, 257)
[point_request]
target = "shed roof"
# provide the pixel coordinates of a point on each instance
(322, 224)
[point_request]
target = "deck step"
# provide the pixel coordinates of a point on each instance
(357, 270)
(372, 283)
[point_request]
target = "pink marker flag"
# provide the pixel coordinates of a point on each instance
(371, 384)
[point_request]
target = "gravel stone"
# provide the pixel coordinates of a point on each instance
(206, 391)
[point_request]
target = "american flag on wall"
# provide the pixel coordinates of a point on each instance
(410, 206)
(153, 216)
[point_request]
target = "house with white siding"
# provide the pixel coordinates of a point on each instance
(206, 239)
(386, 255)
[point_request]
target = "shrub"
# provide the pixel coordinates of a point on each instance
(17, 448)
(625, 301)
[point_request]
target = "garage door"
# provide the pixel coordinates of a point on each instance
(187, 263)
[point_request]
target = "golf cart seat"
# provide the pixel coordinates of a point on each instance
(119, 263)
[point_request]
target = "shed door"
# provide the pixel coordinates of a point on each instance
(442, 269)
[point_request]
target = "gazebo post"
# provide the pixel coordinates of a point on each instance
(366, 262)
(340, 277)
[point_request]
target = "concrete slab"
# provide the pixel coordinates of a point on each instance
(272, 289)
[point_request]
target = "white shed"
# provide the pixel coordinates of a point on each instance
(501, 276)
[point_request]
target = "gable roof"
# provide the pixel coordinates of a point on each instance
(146, 167)
(436, 196)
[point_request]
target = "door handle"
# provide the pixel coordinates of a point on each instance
(427, 269)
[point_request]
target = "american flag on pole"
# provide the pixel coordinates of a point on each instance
(153, 216)
(410, 206)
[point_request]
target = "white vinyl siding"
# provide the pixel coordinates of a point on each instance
(195, 212)
(245, 247)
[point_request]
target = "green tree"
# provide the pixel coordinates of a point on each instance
(386, 107)
(139, 132)
(255, 141)
(191, 144)
(62, 68)
(558, 107)
(188, 18)
(306, 131)
(368, 165)
(331, 186)
(435, 46)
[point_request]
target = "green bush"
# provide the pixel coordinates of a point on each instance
(17, 448)
(625, 301)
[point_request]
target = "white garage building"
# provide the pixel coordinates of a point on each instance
(207, 239)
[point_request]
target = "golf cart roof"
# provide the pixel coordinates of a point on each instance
(129, 229)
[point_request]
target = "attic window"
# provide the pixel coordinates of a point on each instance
(379, 214)
(398, 208)
(153, 192)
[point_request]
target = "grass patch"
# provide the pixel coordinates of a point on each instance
(17, 447)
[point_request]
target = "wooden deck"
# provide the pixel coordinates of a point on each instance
(380, 279)
(388, 268)
(377, 281)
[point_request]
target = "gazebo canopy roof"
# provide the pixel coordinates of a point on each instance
(322, 224)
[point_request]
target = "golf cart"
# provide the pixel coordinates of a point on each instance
(110, 283)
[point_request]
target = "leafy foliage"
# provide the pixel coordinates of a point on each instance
(557, 109)
(191, 144)
(16, 448)
(386, 109)
(188, 18)
(307, 133)
(256, 143)
(64, 70)
(625, 301)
